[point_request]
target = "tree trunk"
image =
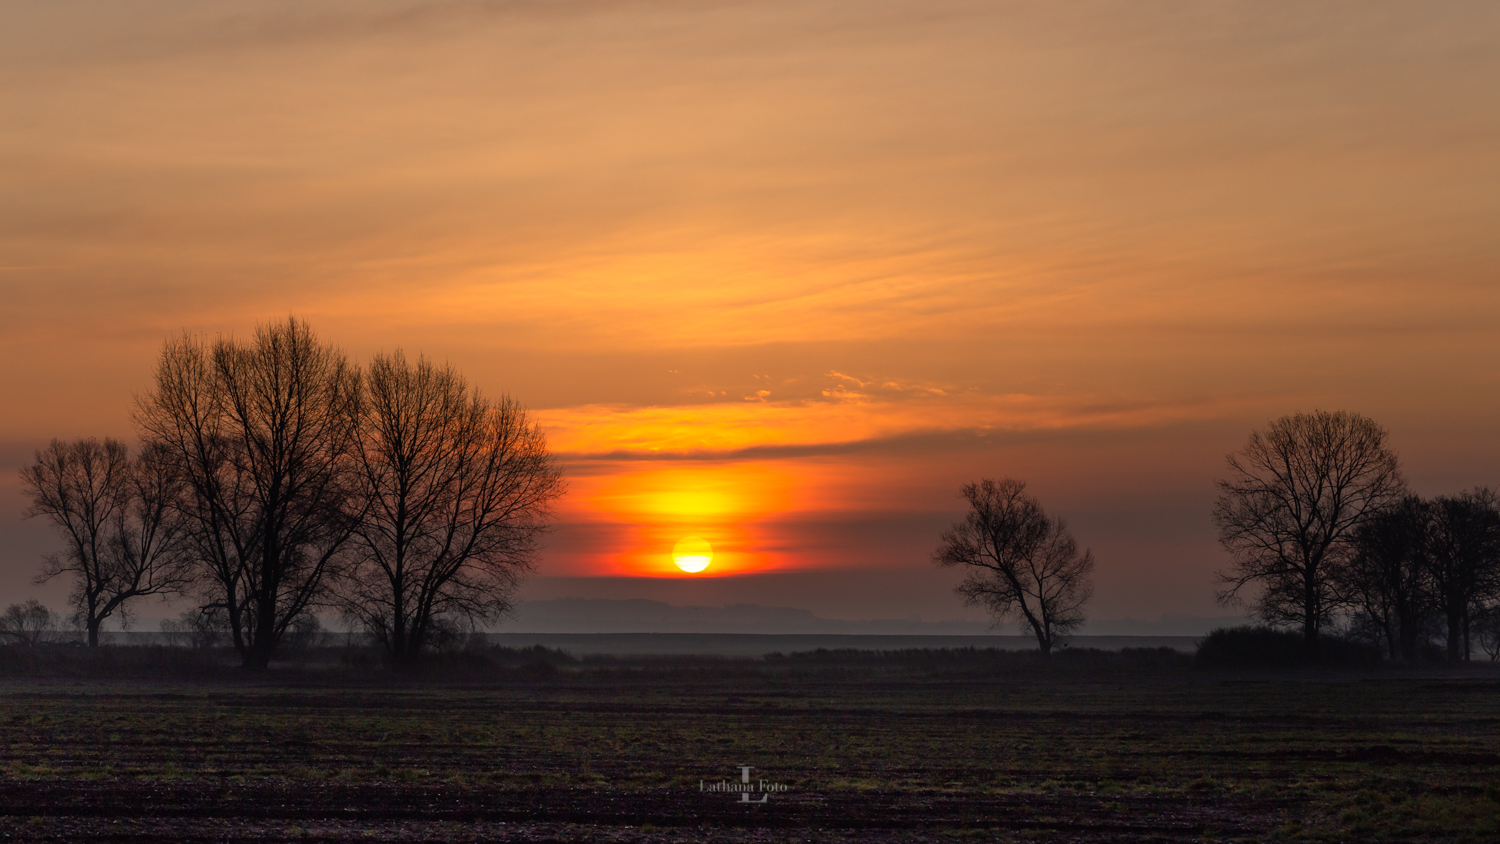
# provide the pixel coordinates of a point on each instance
(398, 630)
(264, 640)
(236, 626)
(1310, 612)
(1454, 637)
(1408, 638)
(1044, 644)
(258, 656)
(91, 617)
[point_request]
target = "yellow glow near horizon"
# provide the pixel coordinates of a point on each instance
(692, 554)
(689, 494)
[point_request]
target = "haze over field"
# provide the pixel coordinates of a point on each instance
(783, 275)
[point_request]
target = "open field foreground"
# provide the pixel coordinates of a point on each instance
(625, 752)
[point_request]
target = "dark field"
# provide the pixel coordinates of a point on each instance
(870, 748)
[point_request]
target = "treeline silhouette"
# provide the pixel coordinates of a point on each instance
(1325, 533)
(276, 481)
(1426, 571)
(338, 658)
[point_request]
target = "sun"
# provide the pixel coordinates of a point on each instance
(692, 553)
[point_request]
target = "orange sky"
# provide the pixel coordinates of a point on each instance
(784, 275)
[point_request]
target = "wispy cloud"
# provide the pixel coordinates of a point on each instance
(843, 424)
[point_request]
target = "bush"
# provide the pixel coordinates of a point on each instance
(1267, 647)
(206, 627)
(28, 624)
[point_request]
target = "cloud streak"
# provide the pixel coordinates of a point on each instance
(845, 423)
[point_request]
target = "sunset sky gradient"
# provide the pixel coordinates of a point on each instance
(783, 275)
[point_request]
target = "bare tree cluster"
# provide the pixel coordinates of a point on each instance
(276, 480)
(1426, 570)
(1021, 563)
(1383, 582)
(1321, 527)
(1289, 510)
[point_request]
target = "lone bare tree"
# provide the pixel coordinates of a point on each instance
(1022, 563)
(1463, 561)
(1288, 512)
(262, 435)
(458, 489)
(118, 518)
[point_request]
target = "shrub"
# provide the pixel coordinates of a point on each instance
(206, 627)
(1267, 647)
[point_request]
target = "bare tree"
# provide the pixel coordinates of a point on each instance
(262, 435)
(458, 489)
(1022, 564)
(150, 538)
(1487, 631)
(1288, 512)
(1463, 560)
(1384, 579)
(28, 624)
(117, 517)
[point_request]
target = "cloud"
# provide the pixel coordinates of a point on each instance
(162, 30)
(914, 442)
(845, 424)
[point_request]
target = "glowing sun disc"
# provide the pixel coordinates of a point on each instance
(692, 553)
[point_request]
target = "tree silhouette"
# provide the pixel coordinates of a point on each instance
(456, 490)
(1463, 561)
(124, 539)
(262, 434)
(1022, 564)
(1288, 512)
(1384, 579)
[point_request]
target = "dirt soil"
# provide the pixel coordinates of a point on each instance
(604, 756)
